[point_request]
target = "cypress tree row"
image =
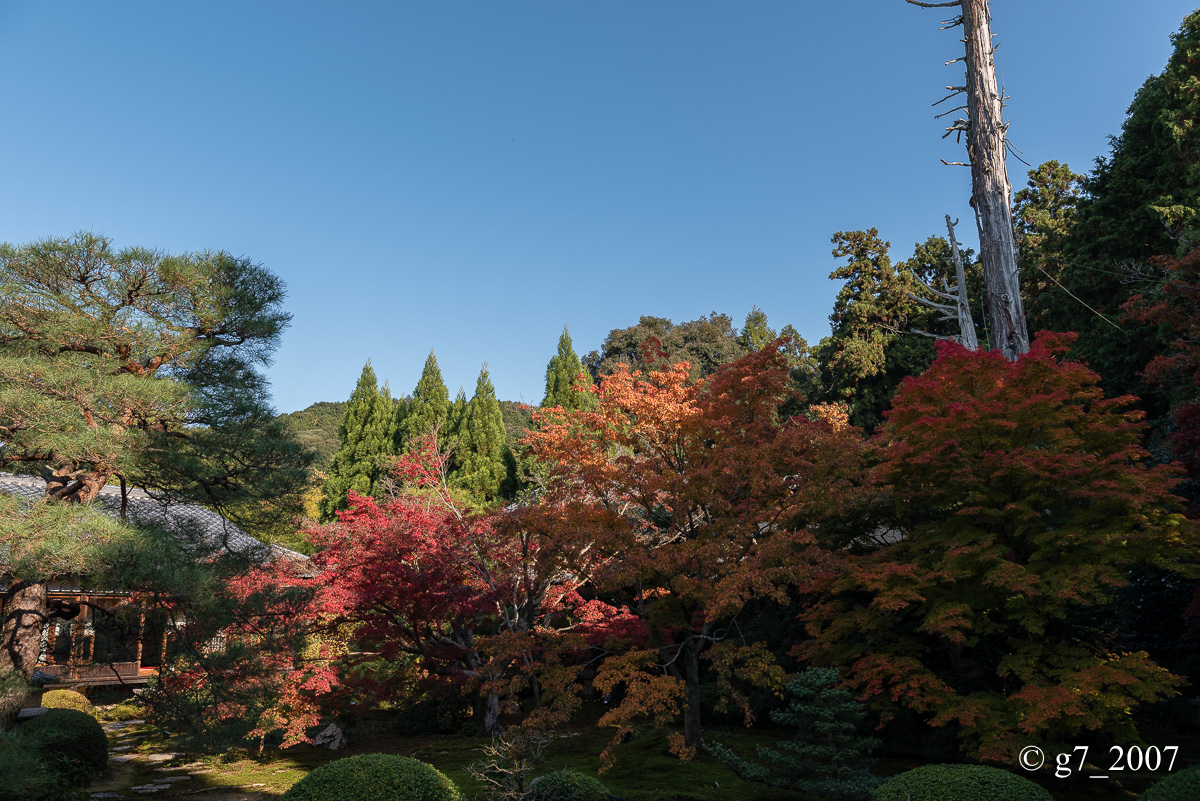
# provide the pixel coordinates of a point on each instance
(481, 444)
(366, 435)
(561, 374)
(429, 406)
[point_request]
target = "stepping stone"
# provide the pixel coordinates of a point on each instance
(172, 778)
(123, 758)
(106, 795)
(118, 748)
(147, 789)
(162, 757)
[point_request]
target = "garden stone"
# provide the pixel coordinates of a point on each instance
(147, 789)
(162, 757)
(123, 758)
(106, 795)
(331, 737)
(31, 712)
(119, 748)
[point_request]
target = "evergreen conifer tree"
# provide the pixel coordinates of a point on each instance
(561, 374)
(481, 445)
(755, 332)
(366, 435)
(429, 406)
(827, 756)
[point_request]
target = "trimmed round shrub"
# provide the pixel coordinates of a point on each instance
(67, 699)
(961, 783)
(1181, 786)
(375, 777)
(566, 785)
(68, 738)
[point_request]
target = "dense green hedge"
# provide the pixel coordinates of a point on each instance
(1183, 785)
(566, 785)
(960, 783)
(67, 699)
(48, 758)
(375, 777)
(68, 737)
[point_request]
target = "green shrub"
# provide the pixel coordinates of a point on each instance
(67, 699)
(566, 785)
(1181, 786)
(72, 741)
(116, 712)
(374, 777)
(961, 783)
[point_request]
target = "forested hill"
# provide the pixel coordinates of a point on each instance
(317, 428)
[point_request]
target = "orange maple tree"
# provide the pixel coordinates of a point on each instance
(694, 497)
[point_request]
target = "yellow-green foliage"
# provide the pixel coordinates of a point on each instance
(67, 699)
(375, 777)
(119, 712)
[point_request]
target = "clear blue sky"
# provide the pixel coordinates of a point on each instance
(471, 176)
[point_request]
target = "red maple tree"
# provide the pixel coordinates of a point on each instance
(1019, 499)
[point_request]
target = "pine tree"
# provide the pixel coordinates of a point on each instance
(450, 434)
(365, 435)
(481, 446)
(429, 406)
(827, 756)
(561, 374)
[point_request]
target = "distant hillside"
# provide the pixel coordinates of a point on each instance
(517, 418)
(317, 427)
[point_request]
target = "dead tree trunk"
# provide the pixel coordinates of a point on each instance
(966, 323)
(957, 294)
(991, 192)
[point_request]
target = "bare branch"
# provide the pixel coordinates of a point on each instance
(933, 5)
(948, 113)
(954, 163)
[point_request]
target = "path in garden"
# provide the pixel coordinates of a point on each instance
(137, 771)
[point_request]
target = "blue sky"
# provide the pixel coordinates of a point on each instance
(471, 176)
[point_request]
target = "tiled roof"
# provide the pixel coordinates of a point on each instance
(140, 507)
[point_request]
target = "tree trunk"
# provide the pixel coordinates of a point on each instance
(488, 712)
(991, 191)
(966, 323)
(67, 483)
(25, 614)
(692, 733)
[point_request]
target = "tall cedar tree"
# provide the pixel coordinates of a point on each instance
(1021, 500)
(564, 371)
(695, 493)
(428, 410)
(141, 366)
(873, 345)
(450, 436)
(1140, 203)
(366, 437)
(1043, 217)
(481, 447)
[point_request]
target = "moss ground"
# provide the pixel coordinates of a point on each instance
(644, 771)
